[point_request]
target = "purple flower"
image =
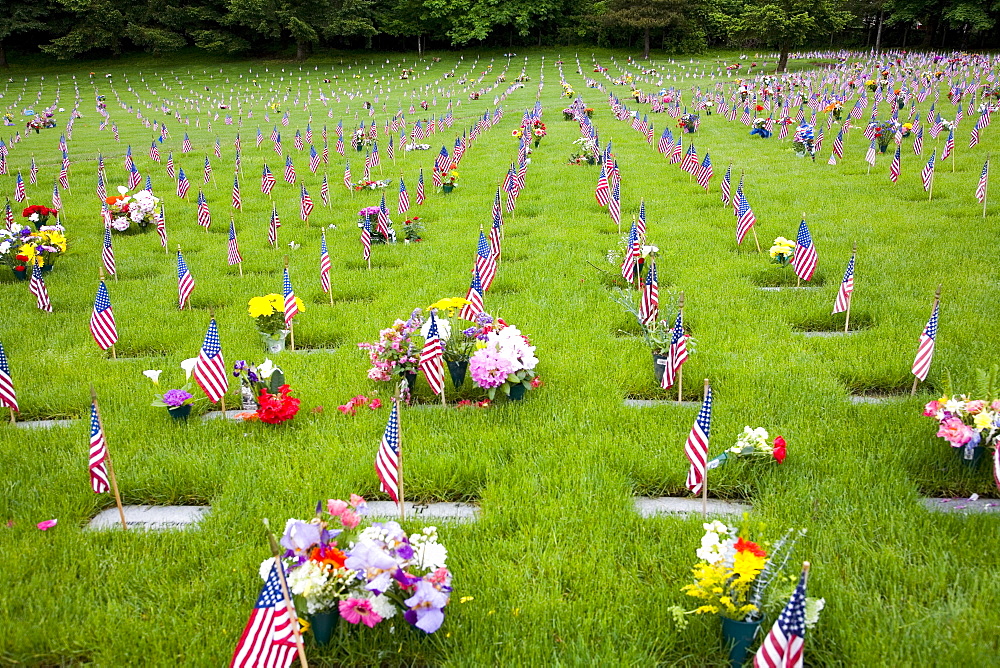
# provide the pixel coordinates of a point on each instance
(471, 332)
(426, 607)
(174, 398)
(375, 565)
(300, 536)
(252, 377)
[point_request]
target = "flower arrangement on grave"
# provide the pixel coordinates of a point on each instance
(803, 141)
(254, 379)
(413, 229)
(39, 214)
(760, 129)
(395, 353)
(883, 132)
(588, 154)
(567, 91)
(970, 425)
(368, 184)
(138, 208)
(734, 574)
(20, 248)
(380, 573)
(504, 359)
(836, 108)
(534, 129)
(360, 401)
(268, 311)
(753, 444)
(688, 122)
(417, 147)
(360, 139)
(177, 401)
(781, 251)
(871, 85)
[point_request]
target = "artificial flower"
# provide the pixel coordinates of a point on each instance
(47, 524)
(356, 610)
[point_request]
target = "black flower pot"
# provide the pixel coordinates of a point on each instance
(457, 371)
(659, 365)
(517, 392)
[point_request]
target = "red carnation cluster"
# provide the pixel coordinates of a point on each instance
(39, 209)
(276, 408)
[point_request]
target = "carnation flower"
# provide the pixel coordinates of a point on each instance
(174, 398)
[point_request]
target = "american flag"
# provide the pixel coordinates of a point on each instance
(185, 282)
(268, 640)
(804, 257)
(154, 152)
(348, 183)
(387, 459)
(128, 159)
(486, 264)
(630, 259)
(725, 186)
(324, 264)
(284, 120)
(675, 155)
(366, 239)
(927, 173)
(696, 447)
(383, 222)
(19, 194)
(420, 187)
(134, 178)
(98, 454)
(846, 288)
(602, 191)
(305, 203)
(949, 145)
(204, 215)
(313, 159)
(33, 172)
(161, 226)
(108, 252)
(183, 185)
(208, 170)
(984, 178)
(640, 223)
(649, 303)
(474, 297)
(276, 142)
(705, 172)
(984, 120)
(783, 646)
(324, 191)
(272, 228)
(375, 159)
(289, 170)
(894, 167)
(390, 150)
(309, 133)
(260, 137)
(497, 210)
(170, 165)
(745, 218)
(234, 247)
(404, 198)
(690, 162)
(495, 234)
(8, 397)
(267, 181)
(186, 146)
(326, 153)
(149, 183)
(870, 153)
(291, 306)
(210, 370)
(925, 349)
(237, 201)
(678, 345)
(102, 320)
(745, 117)
(838, 144)
(615, 204)
(37, 287)
(298, 140)
(432, 358)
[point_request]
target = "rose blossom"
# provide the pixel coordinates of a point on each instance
(955, 431)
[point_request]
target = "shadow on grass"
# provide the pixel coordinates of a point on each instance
(828, 322)
(784, 277)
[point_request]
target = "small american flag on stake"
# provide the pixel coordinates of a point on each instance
(98, 453)
(269, 638)
(37, 287)
(783, 646)
(432, 359)
(649, 304)
(804, 257)
(696, 447)
(474, 297)
(210, 369)
(102, 319)
(234, 247)
(925, 348)
(843, 301)
(387, 459)
(185, 282)
(324, 266)
(8, 396)
(204, 215)
(108, 253)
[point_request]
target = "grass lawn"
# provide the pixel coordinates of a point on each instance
(560, 568)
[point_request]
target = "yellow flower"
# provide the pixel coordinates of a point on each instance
(299, 304)
(466, 599)
(449, 303)
(259, 307)
(277, 301)
(983, 420)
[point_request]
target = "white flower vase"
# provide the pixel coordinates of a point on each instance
(247, 399)
(274, 343)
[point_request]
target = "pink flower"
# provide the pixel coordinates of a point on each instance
(356, 500)
(346, 409)
(350, 519)
(463, 403)
(336, 507)
(932, 407)
(974, 407)
(536, 382)
(47, 524)
(375, 404)
(358, 610)
(955, 431)
(995, 405)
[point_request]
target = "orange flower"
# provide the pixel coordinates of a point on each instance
(744, 545)
(328, 555)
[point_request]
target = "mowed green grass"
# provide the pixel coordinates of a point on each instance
(560, 568)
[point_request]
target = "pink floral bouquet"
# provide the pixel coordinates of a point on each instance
(505, 360)
(395, 352)
(968, 423)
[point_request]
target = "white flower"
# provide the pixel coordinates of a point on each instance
(153, 375)
(122, 190)
(4, 247)
(33, 217)
(954, 406)
(382, 605)
(266, 369)
(265, 568)
(188, 366)
(813, 607)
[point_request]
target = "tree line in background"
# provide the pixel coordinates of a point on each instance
(110, 28)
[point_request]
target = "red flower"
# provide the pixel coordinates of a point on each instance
(276, 408)
(760, 107)
(19, 267)
(779, 449)
(744, 545)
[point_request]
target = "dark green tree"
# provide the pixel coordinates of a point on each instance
(18, 18)
(788, 24)
(644, 15)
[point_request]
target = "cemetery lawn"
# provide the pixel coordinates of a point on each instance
(559, 569)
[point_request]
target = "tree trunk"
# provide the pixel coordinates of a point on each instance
(300, 50)
(878, 35)
(930, 28)
(3, 56)
(906, 31)
(645, 43)
(783, 58)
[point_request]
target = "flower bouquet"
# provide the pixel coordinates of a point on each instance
(417, 147)
(760, 129)
(256, 379)
(269, 313)
(688, 122)
(589, 152)
(449, 178)
(883, 132)
(20, 248)
(802, 141)
(368, 184)
(138, 208)
(412, 229)
(382, 572)
(395, 353)
(177, 401)
(782, 251)
(360, 139)
(970, 425)
(505, 360)
(753, 444)
(835, 108)
(370, 213)
(39, 215)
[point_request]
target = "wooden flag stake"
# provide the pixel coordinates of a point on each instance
(293, 617)
(291, 325)
(704, 482)
(399, 428)
(680, 370)
(107, 459)
(850, 297)
(755, 239)
(937, 300)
